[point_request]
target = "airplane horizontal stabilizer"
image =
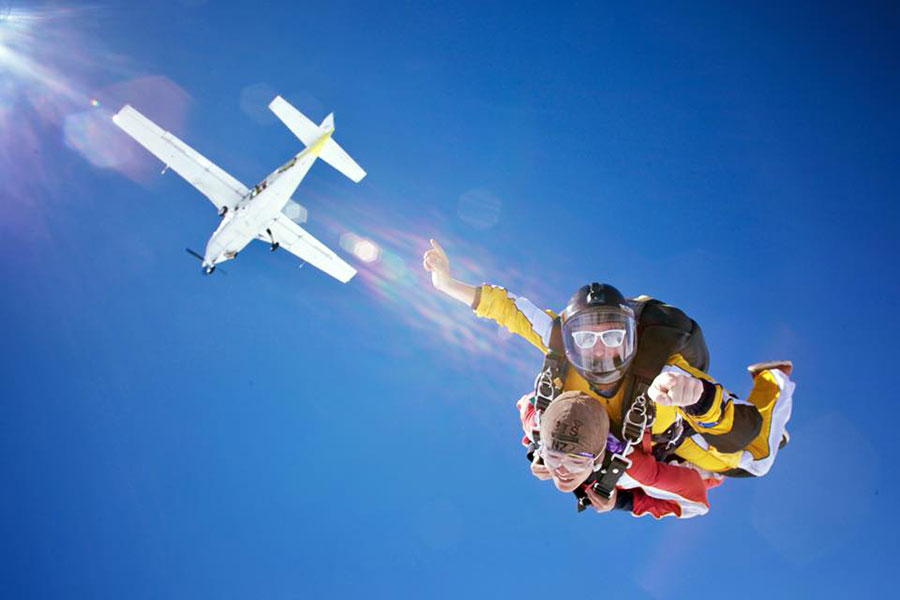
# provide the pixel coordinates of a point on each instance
(310, 133)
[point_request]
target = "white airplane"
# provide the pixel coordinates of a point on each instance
(258, 212)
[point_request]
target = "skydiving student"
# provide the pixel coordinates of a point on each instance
(576, 438)
(620, 350)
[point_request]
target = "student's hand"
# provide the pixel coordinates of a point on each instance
(675, 389)
(539, 469)
(601, 504)
(435, 260)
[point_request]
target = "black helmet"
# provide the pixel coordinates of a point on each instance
(599, 333)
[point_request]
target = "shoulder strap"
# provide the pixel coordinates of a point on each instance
(549, 382)
(662, 330)
(635, 431)
(604, 481)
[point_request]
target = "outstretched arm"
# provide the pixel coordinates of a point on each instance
(516, 314)
(436, 262)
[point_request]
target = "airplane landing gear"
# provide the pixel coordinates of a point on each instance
(223, 211)
(274, 246)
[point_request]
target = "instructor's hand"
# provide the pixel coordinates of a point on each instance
(435, 260)
(675, 389)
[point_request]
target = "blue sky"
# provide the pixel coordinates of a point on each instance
(275, 434)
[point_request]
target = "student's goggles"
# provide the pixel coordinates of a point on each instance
(573, 463)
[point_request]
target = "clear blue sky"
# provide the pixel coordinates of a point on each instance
(275, 434)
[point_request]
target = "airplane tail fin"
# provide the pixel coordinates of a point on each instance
(310, 133)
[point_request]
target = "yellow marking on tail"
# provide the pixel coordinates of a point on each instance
(317, 147)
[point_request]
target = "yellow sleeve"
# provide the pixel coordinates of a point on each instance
(714, 415)
(730, 426)
(518, 315)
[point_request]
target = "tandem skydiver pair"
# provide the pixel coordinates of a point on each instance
(623, 413)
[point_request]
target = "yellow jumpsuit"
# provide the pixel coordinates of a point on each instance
(771, 394)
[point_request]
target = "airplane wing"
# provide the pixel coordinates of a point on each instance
(221, 188)
(295, 240)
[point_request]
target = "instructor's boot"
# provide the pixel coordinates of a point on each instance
(785, 366)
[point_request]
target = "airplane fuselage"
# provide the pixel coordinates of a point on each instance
(252, 215)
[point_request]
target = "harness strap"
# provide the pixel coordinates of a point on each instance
(635, 424)
(665, 443)
(549, 382)
(609, 475)
(638, 412)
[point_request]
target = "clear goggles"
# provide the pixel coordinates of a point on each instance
(600, 343)
(573, 463)
(611, 338)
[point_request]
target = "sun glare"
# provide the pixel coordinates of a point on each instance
(52, 64)
(5, 19)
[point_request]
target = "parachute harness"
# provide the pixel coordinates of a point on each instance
(547, 384)
(672, 332)
(639, 417)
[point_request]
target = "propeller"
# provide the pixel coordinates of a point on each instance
(194, 254)
(200, 258)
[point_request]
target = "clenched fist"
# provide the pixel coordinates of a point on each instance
(675, 389)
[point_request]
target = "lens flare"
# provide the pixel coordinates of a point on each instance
(255, 100)
(348, 241)
(479, 208)
(365, 250)
(400, 284)
(51, 62)
(89, 134)
(295, 212)
(41, 57)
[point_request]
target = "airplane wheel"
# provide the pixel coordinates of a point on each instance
(274, 247)
(223, 211)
